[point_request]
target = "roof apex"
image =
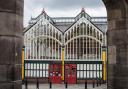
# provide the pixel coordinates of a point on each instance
(83, 9)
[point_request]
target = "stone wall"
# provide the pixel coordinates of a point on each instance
(11, 26)
(117, 11)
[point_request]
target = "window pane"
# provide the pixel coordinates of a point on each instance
(46, 66)
(37, 66)
(78, 66)
(78, 74)
(46, 73)
(84, 74)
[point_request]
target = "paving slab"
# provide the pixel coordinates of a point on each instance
(62, 86)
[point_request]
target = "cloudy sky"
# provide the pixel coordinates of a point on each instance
(62, 8)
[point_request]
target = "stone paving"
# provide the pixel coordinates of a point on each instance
(62, 86)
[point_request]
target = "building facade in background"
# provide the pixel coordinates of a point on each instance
(70, 49)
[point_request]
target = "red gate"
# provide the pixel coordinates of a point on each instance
(55, 73)
(70, 73)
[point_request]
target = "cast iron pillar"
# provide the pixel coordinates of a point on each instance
(11, 27)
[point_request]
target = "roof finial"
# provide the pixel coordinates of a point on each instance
(43, 11)
(82, 10)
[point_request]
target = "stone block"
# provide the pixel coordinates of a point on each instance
(117, 37)
(7, 5)
(3, 73)
(115, 14)
(18, 85)
(10, 49)
(112, 54)
(11, 25)
(17, 72)
(12, 6)
(6, 85)
(6, 73)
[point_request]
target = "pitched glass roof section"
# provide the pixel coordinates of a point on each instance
(63, 23)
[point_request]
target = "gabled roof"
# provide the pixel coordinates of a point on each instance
(80, 15)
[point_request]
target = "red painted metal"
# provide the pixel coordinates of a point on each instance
(55, 73)
(70, 73)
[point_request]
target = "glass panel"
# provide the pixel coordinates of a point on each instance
(84, 74)
(34, 74)
(43, 66)
(87, 74)
(87, 66)
(100, 74)
(84, 66)
(28, 65)
(31, 73)
(46, 73)
(81, 74)
(43, 73)
(81, 66)
(31, 65)
(91, 74)
(40, 73)
(34, 66)
(100, 66)
(78, 74)
(94, 66)
(91, 66)
(37, 73)
(28, 74)
(78, 66)
(46, 66)
(97, 74)
(94, 74)
(38, 66)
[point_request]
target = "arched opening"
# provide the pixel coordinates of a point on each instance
(112, 22)
(11, 20)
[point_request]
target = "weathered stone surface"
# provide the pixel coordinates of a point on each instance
(6, 85)
(12, 6)
(117, 37)
(112, 54)
(10, 47)
(11, 27)
(11, 24)
(117, 11)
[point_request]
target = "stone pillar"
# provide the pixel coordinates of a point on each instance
(11, 27)
(117, 34)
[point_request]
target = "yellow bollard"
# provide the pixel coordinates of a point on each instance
(22, 63)
(62, 77)
(104, 65)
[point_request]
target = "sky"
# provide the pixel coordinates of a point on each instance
(62, 8)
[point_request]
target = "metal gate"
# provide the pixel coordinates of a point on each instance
(80, 45)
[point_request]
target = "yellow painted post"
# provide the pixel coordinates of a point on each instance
(62, 77)
(104, 65)
(23, 63)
